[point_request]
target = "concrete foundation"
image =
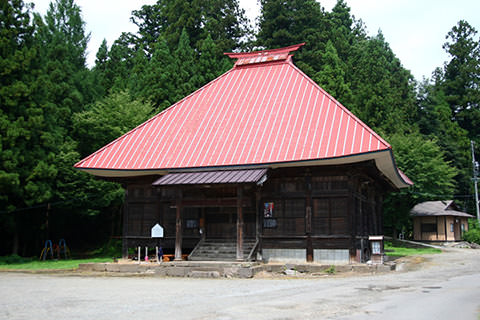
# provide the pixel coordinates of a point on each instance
(223, 269)
(284, 255)
(331, 256)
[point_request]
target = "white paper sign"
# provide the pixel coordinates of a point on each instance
(157, 231)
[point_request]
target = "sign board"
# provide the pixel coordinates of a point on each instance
(376, 247)
(157, 231)
(270, 223)
(268, 210)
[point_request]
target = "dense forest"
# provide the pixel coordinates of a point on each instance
(55, 110)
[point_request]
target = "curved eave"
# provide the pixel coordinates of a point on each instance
(446, 213)
(384, 161)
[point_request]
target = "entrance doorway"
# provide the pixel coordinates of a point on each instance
(220, 223)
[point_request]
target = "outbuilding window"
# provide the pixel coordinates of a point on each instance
(429, 227)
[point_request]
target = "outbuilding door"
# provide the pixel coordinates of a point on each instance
(456, 230)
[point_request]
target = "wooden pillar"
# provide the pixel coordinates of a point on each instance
(380, 214)
(125, 226)
(374, 211)
(259, 224)
(239, 224)
(361, 217)
(352, 214)
(445, 226)
(308, 216)
(178, 227)
(202, 223)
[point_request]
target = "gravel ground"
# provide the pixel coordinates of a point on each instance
(441, 286)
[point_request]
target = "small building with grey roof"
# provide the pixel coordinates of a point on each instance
(439, 221)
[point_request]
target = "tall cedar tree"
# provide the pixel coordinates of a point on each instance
(160, 78)
(26, 151)
(384, 91)
(224, 20)
(461, 77)
(100, 70)
(449, 103)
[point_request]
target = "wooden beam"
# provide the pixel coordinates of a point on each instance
(178, 227)
(239, 224)
(219, 202)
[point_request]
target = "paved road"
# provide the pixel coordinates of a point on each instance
(446, 286)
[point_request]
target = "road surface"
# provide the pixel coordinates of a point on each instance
(443, 286)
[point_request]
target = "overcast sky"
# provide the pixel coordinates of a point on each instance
(415, 29)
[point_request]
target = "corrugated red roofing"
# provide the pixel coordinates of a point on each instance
(209, 177)
(254, 114)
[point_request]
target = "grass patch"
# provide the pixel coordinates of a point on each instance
(19, 263)
(399, 249)
(330, 270)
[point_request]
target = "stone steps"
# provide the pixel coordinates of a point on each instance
(220, 250)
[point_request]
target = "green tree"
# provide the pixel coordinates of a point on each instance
(101, 123)
(136, 81)
(186, 66)
(384, 91)
(107, 119)
(461, 81)
(331, 76)
(25, 173)
(210, 65)
(423, 162)
(435, 120)
(283, 23)
(100, 70)
(67, 81)
(160, 78)
(120, 62)
(224, 20)
(343, 29)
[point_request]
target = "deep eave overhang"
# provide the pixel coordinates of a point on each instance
(384, 161)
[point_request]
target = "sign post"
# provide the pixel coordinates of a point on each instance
(157, 232)
(376, 246)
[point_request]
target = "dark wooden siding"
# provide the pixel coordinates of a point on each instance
(315, 207)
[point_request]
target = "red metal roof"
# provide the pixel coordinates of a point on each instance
(259, 113)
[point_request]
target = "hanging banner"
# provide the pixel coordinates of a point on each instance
(268, 210)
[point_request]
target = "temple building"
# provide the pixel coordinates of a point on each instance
(259, 164)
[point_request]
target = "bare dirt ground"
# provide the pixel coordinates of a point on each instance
(441, 286)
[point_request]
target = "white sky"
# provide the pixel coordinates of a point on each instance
(415, 29)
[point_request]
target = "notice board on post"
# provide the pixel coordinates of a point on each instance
(157, 231)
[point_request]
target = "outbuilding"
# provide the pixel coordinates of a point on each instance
(439, 221)
(259, 164)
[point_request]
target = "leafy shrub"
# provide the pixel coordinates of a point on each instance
(113, 248)
(331, 270)
(473, 233)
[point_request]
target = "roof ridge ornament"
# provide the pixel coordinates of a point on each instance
(263, 56)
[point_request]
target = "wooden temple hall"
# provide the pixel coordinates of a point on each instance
(259, 164)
